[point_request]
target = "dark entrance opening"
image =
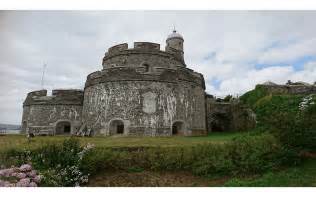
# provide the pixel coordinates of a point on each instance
(220, 122)
(174, 129)
(116, 127)
(178, 128)
(120, 129)
(63, 127)
(218, 128)
(66, 128)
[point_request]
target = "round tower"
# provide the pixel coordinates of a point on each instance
(174, 43)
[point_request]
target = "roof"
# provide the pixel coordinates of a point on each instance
(174, 35)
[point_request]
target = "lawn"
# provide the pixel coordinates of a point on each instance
(300, 176)
(20, 141)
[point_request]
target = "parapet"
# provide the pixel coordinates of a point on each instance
(68, 92)
(38, 93)
(59, 97)
(147, 46)
(117, 48)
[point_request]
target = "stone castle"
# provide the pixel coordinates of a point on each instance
(140, 91)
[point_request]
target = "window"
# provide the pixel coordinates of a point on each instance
(146, 66)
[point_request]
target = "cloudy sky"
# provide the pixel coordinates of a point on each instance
(235, 50)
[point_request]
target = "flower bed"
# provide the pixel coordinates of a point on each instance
(23, 176)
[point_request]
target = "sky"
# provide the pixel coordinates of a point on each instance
(234, 50)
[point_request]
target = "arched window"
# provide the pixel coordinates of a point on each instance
(147, 68)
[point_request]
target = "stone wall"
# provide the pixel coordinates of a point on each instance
(143, 53)
(42, 113)
(145, 107)
(288, 89)
(228, 116)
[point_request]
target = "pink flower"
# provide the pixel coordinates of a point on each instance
(21, 175)
(37, 178)
(23, 182)
(6, 172)
(8, 184)
(25, 168)
(32, 174)
(1, 183)
(2, 172)
(32, 184)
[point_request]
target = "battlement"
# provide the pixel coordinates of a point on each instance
(58, 97)
(147, 46)
(137, 45)
(117, 48)
(38, 93)
(142, 53)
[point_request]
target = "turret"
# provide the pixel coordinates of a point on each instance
(174, 44)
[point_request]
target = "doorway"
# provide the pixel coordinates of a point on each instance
(63, 128)
(116, 127)
(178, 128)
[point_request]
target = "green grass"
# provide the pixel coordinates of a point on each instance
(20, 141)
(300, 176)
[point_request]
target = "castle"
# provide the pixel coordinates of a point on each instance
(140, 91)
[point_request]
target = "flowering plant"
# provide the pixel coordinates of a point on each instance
(24, 176)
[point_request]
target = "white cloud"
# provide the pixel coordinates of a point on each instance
(290, 52)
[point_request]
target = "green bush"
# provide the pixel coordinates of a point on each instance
(68, 164)
(244, 155)
(291, 118)
(59, 164)
(251, 97)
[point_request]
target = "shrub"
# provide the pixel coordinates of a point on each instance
(292, 120)
(244, 155)
(59, 164)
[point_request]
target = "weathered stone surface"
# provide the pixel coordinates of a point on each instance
(228, 116)
(41, 113)
(150, 107)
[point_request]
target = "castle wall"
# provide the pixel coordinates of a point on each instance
(145, 107)
(42, 113)
(142, 53)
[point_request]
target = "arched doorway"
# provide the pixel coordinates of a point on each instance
(220, 122)
(63, 128)
(116, 127)
(178, 128)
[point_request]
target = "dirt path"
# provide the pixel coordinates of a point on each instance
(151, 179)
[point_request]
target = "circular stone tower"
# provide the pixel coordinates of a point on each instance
(145, 91)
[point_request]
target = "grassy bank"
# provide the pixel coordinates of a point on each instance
(303, 175)
(20, 141)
